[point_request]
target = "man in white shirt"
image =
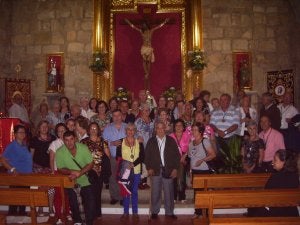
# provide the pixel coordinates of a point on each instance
(287, 110)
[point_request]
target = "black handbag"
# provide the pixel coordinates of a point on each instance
(91, 174)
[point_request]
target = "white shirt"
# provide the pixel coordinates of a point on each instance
(161, 146)
(56, 144)
(87, 113)
(287, 112)
(253, 115)
(19, 111)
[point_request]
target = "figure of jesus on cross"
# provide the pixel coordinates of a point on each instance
(146, 49)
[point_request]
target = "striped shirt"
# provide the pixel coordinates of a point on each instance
(223, 120)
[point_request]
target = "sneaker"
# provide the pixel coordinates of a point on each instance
(77, 223)
(51, 214)
(183, 201)
(59, 221)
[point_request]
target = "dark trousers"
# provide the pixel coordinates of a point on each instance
(199, 211)
(13, 209)
(88, 201)
(180, 184)
(97, 191)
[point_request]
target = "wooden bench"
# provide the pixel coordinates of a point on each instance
(210, 181)
(248, 198)
(47, 180)
(28, 197)
(205, 182)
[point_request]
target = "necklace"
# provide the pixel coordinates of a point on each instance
(132, 149)
(224, 115)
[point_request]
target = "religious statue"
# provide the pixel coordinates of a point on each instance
(244, 75)
(52, 74)
(146, 49)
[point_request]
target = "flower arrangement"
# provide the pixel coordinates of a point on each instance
(98, 64)
(121, 94)
(196, 59)
(170, 93)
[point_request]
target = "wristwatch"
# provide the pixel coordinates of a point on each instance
(12, 169)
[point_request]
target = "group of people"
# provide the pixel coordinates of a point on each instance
(131, 145)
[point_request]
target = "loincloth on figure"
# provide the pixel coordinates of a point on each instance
(147, 53)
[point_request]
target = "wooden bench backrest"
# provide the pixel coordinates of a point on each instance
(247, 198)
(36, 180)
(20, 196)
(229, 180)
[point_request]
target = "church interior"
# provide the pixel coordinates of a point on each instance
(84, 49)
(268, 31)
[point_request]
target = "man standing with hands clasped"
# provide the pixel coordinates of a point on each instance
(162, 162)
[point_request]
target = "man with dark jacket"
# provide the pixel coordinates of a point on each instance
(162, 162)
(270, 110)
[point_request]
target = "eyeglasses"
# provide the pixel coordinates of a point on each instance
(21, 132)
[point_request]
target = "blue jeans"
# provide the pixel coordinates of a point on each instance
(134, 196)
(88, 201)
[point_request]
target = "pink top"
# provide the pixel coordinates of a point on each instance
(208, 132)
(183, 143)
(273, 140)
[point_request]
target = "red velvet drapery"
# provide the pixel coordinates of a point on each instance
(128, 64)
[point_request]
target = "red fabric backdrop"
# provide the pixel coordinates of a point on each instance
(166, 41)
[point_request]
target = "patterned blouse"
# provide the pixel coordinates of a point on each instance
(100, 122)
(97, 150)
(251, 151)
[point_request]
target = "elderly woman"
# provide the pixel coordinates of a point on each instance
(182, 138)
(17, 159)
(247, 114)
(285, 176)
(39, 147)
(130, 155)
(253, 150)
(163, 116)
(200, 152)
(145, 128)
(187, 116)
(102, 117)
(101, 154)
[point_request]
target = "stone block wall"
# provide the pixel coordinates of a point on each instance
(40, 27)
(5, 31)
(266, 28)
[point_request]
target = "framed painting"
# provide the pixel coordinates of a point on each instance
(242, 71)
(55, 72)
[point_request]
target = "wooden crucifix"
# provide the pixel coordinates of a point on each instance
(147, 50)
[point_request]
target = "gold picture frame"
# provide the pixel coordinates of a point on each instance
(55, 72)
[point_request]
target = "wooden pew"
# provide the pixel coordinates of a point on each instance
(210, 181)
(47, 180)
(248, 198)
(28, 197)
(205, 182)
